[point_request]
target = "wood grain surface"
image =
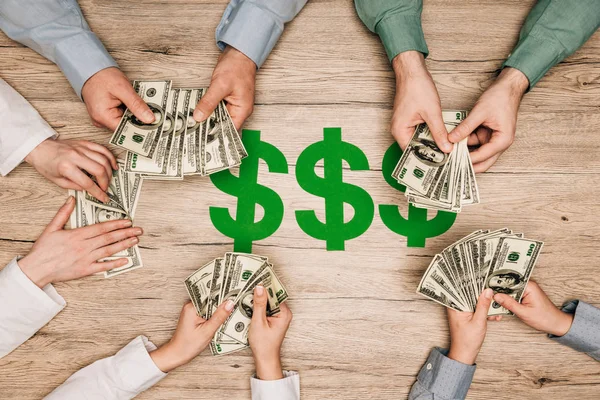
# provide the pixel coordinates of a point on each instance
(359, 329)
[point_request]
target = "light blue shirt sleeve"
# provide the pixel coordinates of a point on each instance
(254, 26)
(58, 31)
(584, 334)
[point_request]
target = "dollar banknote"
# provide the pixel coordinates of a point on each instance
(135, 135)
(434, 179)
(500, 259)
(234, 277)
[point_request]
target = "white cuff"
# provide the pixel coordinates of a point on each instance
(24, 307)
(287, 388)
(136, 367)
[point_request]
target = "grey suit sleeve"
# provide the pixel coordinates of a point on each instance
(584, 334)
(442, 378)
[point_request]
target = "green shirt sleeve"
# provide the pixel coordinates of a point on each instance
(397, 22)
(553, 30)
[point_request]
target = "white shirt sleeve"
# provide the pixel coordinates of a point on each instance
(287, 388)
(120, 377)
(24, 307)
(22, 128)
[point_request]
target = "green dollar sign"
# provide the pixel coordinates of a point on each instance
(244, 230)
(333, 151)
(416, 227)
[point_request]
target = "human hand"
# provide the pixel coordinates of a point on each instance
(537, 311)
(62, 162)
(492, 123)
(62, 255)
(232, 81)
(192, 336)
(416, 101)
(266, 336)
(104, 94)
(467, 330)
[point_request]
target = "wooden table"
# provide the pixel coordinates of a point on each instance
(359, 329)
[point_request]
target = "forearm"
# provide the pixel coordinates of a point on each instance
(442, 378)
(254, 27)
(22, 128)
(24, 307)
(398, 24)
(584, 333)
(553, 30)
(58, 31)
(120, 377)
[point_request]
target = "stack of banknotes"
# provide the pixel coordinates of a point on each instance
(234, 277)
(175, 144)
(434, 179)
(124, 193)
(500, 260)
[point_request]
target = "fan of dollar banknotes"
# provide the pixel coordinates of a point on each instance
(234, 277)
(123, 193)
(175, 144)
(434, 179)
(500, 260)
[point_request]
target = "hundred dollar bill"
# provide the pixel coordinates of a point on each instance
(115, 201)
(136, 136)
(191, 147)
(198, 287)
(511, 269)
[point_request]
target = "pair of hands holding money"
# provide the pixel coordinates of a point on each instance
(105, 94)
(490, 126)
(468, 330)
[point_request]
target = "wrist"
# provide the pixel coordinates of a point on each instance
(33, 272)
(562, 324)
(240, 59)
(514, 80)
(268, 368)
(32, 156)
(166, 358)
(409, 63)
(467, 357)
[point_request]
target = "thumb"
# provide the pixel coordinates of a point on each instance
(259, 314)
(135, 104)
(62, 216)
(509, 303)
(483, 305)
(220, 316)
(207, 104)
(466, 127)
(438, 131)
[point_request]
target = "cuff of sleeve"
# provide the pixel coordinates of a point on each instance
(17, 156)
(46, 298)
(134, 363)
(584, 334)
(444, 377)
(287, 388)
(400, 33)
(250, 29)
(533, 57)
(80, 57)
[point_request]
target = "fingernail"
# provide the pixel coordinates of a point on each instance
(447, 146)
(138, 231)
(123, 261)
(488, 293)
(134, 240)
(229, 305)
(127, 222)
(198, 115)
(70, 200)
(149, 116)
(259, 290)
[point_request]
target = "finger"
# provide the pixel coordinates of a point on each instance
(111, 118)
(113, 249)
(219, 316)
(67, 184)
(102, 160)
(99, 229)
(466, 127)
(101, 170)
(403, 136)
(62, 216)
(483, 305)
(207, 104)
(473, 140)
(485, 165)
(509, 303)
(259, 315)
(497, 144)
(102, 150)
(82, 180)
(102, 266)
(114, 237)
(435, 122)
(239, 114)
(285, 312)
(135, 104)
